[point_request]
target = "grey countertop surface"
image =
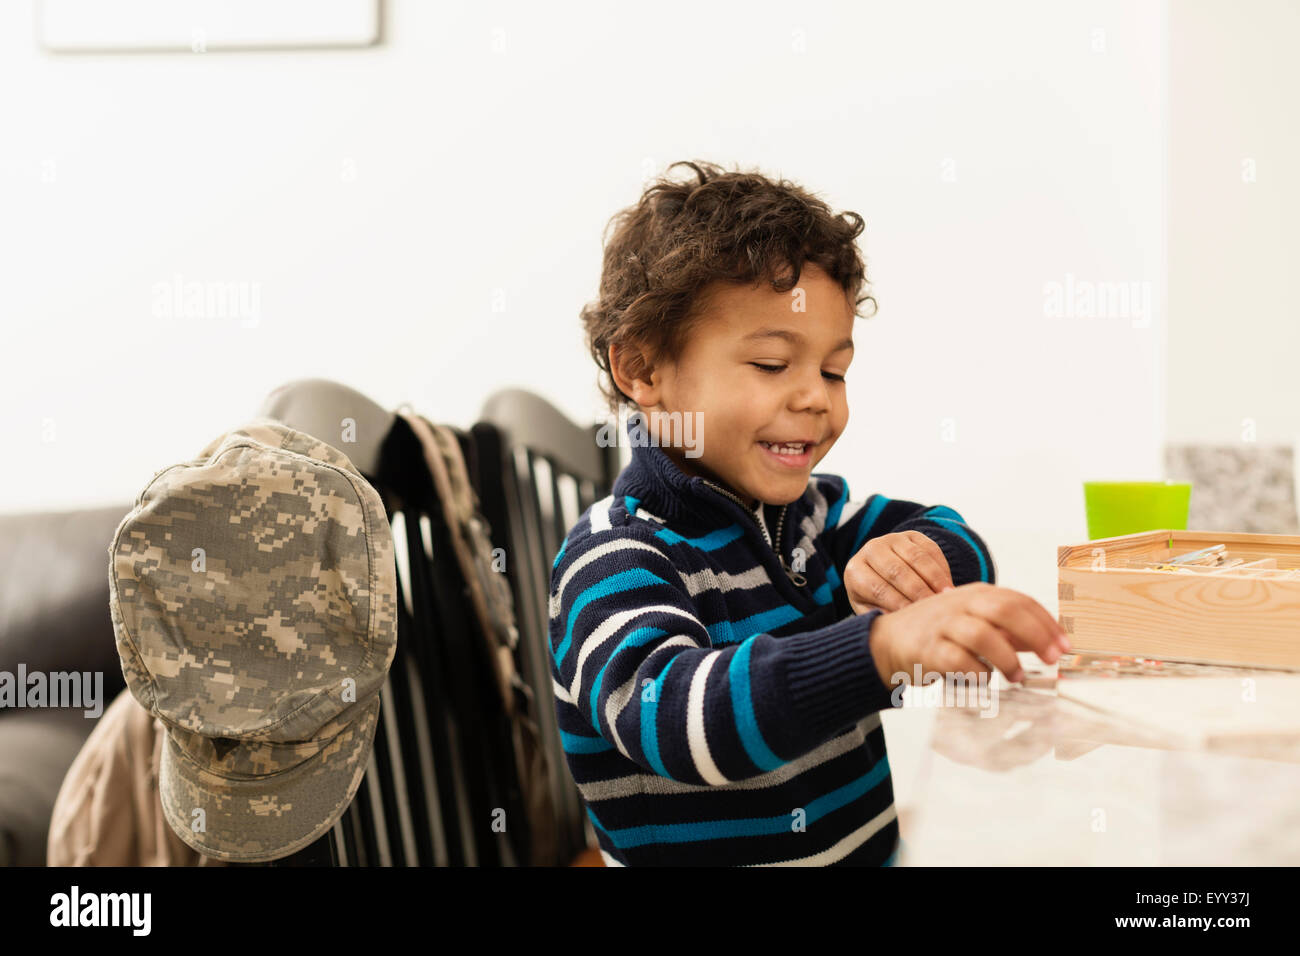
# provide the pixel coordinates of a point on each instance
(1025, 777)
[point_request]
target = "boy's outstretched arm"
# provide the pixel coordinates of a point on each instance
(629, 652)
(852, 524)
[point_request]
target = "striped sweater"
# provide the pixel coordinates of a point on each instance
(716, 695)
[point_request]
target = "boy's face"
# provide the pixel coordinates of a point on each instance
(740, 405)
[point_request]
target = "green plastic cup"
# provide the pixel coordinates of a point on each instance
(1127, 507)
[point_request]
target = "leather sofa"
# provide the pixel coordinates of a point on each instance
(54, 617)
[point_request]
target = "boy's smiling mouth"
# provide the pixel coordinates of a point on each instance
(795, 454)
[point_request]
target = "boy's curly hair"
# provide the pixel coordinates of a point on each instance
(681, 236)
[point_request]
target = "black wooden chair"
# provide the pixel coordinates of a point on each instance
(550, 470)
(442, 761)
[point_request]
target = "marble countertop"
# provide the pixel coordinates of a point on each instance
(1041, 780)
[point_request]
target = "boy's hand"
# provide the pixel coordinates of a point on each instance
(965, 629)
(893, 570)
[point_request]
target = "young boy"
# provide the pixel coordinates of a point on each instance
(726, 626)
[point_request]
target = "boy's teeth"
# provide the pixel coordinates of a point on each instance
(786, 449)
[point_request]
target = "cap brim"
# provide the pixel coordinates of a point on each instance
(256, 819)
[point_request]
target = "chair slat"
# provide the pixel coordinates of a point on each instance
(536, 468)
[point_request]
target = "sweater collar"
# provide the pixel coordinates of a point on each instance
(662, 488)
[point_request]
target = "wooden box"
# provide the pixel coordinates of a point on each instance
(1112, 600)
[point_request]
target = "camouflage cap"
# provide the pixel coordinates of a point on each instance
(253, 593)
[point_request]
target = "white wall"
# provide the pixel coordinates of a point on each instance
(1234, 331)
(382, 197)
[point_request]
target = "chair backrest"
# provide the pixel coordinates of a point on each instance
(539, 472)
(441, 761)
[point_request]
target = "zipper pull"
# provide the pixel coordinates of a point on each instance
(794, 576)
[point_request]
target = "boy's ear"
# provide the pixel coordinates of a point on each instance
(634, 375)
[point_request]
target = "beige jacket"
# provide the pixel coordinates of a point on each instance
(108, 812)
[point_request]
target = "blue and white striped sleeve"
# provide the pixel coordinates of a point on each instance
(852, 524)
(628, 650)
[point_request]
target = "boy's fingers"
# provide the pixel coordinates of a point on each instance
(987, 641)
(1052, 624)
(927, 559)
(881, 593)
(893, 567)
(1043, 616)
(957, 659)
(864, 584)
(1015, 613)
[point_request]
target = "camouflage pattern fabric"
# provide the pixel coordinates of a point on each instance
(253, 594)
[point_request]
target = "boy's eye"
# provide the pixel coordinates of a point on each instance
(772, 369)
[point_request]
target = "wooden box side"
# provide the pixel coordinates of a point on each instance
(1221, 618)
